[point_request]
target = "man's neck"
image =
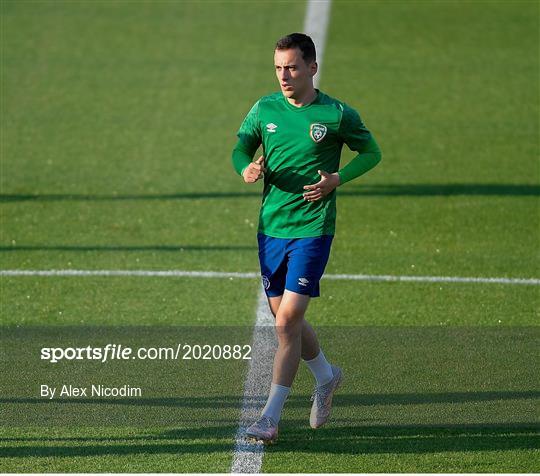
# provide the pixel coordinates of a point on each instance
(305, 99)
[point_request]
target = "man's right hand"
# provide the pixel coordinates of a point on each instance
(254, 171)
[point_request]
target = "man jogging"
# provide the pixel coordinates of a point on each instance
(302, 131)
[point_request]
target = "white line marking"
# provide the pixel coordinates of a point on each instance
(433, 279)
(232, 275)
(316, 25)
(126, 272)
(247, 456)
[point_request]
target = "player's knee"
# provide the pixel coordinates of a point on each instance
(289, 323)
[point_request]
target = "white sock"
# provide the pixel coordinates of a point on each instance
(321, 369)
(275, 402)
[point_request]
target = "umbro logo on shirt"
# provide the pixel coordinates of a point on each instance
(271, 127)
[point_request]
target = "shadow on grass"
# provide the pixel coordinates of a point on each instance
(375, 190)
(295, 436)
(294, 401)
(445, 190)
(168, 248)
(398, 439)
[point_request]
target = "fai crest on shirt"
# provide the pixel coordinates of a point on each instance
(317, 132)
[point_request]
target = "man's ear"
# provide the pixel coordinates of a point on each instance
(314, 68)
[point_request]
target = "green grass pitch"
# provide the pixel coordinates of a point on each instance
(117, 122)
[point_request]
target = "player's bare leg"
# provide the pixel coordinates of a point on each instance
(311, 350)
(310, 344)
(289, 325)
(328, 376)
(296, 338)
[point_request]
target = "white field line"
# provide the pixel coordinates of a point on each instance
(247, 457)
(173, 273)
(316, 25)
(177, 273)
(434, 279)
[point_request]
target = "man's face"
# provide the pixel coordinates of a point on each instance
(294, 75)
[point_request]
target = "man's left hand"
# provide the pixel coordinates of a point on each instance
(322, 188)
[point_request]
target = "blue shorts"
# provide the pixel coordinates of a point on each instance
(295, 264)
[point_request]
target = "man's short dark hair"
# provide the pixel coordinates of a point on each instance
(298, 40)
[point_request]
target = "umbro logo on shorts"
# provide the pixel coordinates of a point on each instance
(266, 282)
(271, 127)
(303, 281)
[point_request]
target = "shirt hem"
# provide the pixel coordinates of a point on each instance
(293, 237)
